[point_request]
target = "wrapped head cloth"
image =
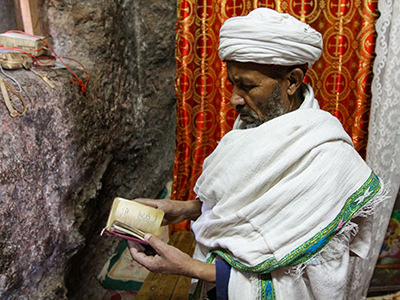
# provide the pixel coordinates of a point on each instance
(266, 36)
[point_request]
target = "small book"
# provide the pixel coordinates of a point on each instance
(132, 220)
(34, 45)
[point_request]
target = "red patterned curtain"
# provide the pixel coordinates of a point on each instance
(341, 78)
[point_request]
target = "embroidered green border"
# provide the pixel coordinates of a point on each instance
(308, 249)
(266, 287)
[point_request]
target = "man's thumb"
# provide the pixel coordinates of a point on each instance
(153, 241)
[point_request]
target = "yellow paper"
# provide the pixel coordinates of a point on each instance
(135, 215)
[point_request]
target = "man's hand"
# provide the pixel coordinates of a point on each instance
(170, 260)
(175, 211)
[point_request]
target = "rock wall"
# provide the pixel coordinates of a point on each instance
(63, 162)
(7, 15)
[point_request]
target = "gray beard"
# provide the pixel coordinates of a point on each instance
(275, 111)
(253, 124)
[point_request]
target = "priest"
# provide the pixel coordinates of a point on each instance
(284, 200)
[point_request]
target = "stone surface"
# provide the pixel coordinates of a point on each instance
(63, 162)
(8, 20)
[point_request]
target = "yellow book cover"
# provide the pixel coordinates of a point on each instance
(131, 220)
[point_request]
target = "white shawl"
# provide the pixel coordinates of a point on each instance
(280, 189)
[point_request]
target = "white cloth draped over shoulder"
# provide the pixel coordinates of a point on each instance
(275, 195)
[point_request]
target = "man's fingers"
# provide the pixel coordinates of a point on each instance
(148, 202)
(156, 243)
(138, 255)
(141, 258)
(132, 244)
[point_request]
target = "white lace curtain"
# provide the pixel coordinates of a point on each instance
(383, 150)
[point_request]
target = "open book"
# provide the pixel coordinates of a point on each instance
(132, 220)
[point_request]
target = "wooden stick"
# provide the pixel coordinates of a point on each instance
(30, 16)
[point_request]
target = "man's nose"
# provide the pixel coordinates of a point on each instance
(236, 99)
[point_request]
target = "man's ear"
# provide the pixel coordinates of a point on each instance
(295, 78)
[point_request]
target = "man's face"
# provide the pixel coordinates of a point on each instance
(257, 96)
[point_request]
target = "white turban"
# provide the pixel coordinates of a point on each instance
(266, 36)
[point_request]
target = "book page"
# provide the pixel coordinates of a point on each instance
(125, 229)
(136, 215)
